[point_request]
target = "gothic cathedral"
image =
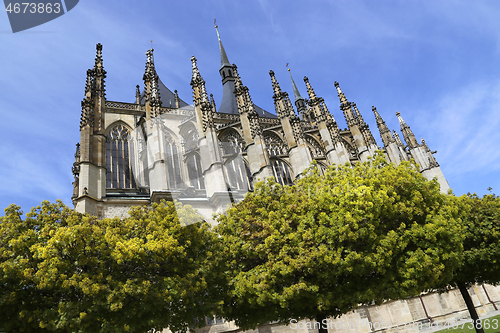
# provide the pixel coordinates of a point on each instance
(161, 147)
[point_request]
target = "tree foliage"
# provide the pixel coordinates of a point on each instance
(61, 271)
(481, 247)
(356, 235)
(481, 218)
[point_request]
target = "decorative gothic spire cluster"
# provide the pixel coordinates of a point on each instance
(99, 73)
(364, 128)
(346, 108)
(284, 110)
(87, 117)
(385, 133)
(321, 113)
(200, 97)
(151, 91)
(408, 135)
(245, 104)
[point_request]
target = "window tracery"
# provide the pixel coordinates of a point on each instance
(232, 142)
(172, 163)
(274, 145)
(238, 174)
(195, 172)
(314, 147)
(282, 172)
(190, 141)
(118, 159)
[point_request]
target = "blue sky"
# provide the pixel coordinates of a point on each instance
(436, 62)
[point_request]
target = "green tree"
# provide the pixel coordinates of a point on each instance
(481, 257)
(62, 271)
(356, 235)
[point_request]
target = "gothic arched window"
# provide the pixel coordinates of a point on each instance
(191, 141)
(238, 174)
(195, 172)
(232, 143)
(172, 164)
(282, 172)
(274, 145)
(314, 147)
(321, 169)
(118, 161)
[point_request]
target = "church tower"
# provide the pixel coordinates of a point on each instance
(90, 165)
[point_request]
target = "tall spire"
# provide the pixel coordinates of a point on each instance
(227, 74)
(299, 100)
(223, 57)
(296, 92)
(408, 135)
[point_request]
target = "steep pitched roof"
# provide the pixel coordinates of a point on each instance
(167, 97)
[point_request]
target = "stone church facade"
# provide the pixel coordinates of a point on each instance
(161, 147)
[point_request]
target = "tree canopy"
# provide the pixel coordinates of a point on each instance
(62, 271)
(356, 235)
(481, 246)
(481, 220)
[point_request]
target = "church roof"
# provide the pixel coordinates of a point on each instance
(263, 113)
(167, 97)
(229, 104)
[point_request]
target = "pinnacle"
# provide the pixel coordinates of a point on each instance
(276, 85)
(342, 97)
(310, 90)
(196, 72)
